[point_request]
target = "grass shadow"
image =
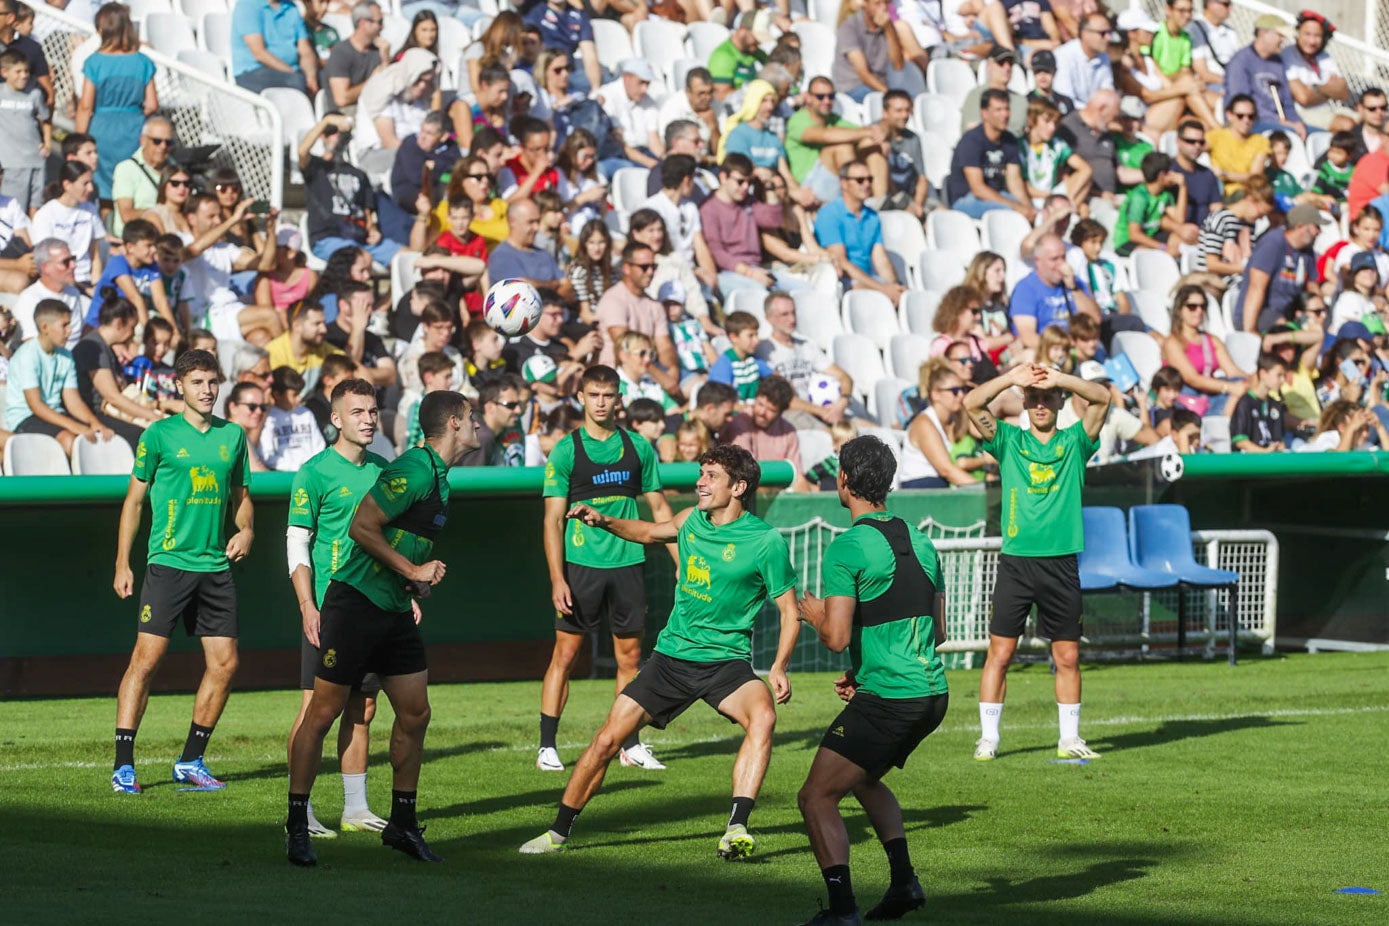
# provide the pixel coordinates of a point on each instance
(380, 759)
(546, 798)
(1174, 731)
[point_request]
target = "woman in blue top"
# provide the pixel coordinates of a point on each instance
(117, 93)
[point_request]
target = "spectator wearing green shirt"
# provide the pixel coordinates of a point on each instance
(882, 581)
(737, 60)
(1171, 43)
(1042, 471)
(1129, 146)
(730, 565)
(367, 622)
(1154, 213)
(820, 142)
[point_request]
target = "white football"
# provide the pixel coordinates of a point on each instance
(1171, 467)
(512, 307)
(823, 390)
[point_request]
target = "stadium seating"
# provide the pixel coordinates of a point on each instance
(629, 190)
(882, 402)
(817, 48)
(939, 270)
(816, 445)
(1215, 433)
(906, 354)
(111, 457)
(1153, 309)
(1104, 563)
(870, 313)
(614, 44)
(947, 229)
(918, 310)
(1143, 352)
(35, 455)
(662, 43)
(815, 320)
(171, 33)
(951, 78)
(704, 38)
(196, 9)
(1155, 271)
(1160, 539)
(857, 356)
(1244, 347)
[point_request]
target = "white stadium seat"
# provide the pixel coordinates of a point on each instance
(856, 355)
(662, 43)
(870, 313)
(816, 445)
(952, 78)
(882, 401)
(1153, 309)
(941, 270)
(1155, 271)
(215, 35)
(949, 229)
(817, 318)
(35, 455)
(628, 190)
(614, 45)
(937, 117)
(906, 354)
(102, 458)
(1215, 433)
(817, 49)
(1143, 352)
(1003, 233)
(705, 37)
(1244, 347)
(171, 33)
(918, 310)
(196, 9)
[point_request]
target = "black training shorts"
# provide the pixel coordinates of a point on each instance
(369, 684)
(877, 733)
(356, 637)
(204, 601)
(1052, 583)
(620, 593)
(667, 686)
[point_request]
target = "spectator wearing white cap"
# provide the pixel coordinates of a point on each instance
(1166, 97)
(1120, 425)
(1082, 66)
(1258, 71)
(632, 110)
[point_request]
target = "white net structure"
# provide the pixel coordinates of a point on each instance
(205, 108)
(969, 567)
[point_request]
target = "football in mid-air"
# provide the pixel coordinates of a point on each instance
(823, 390)
(1172, 467)
(512, 307)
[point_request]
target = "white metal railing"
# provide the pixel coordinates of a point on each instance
(969, 568)
(205, 110)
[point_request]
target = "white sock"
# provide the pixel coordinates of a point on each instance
(1068, 717)
(313, 821)
(989, 714)
(354, 794)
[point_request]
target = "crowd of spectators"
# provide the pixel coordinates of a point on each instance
(696, 228)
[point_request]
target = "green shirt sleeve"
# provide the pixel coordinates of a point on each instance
(1086, 444)
(650, 464)
(1004, 435)
(777, 572)
(557, 469)
(147, 455)
(722, 63)
(303, 499)
(842, 566)
(241, 469)
(123, 181)
(402, 484)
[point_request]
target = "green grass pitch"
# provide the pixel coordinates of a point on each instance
(1224, 796)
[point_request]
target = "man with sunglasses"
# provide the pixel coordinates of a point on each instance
(1370, 109)
(1082, 66)
(1203, 192)
(1237, 151)
(501, 407)
(135, 181)
(850, 230)
(1043, 471)
(999, 67)
(56, 267)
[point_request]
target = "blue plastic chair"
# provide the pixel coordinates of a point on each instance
(1105, 564)
(1160, 540)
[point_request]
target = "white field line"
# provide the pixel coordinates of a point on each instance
(662, 742)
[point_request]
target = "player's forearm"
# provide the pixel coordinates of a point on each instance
(639, 531)
(1094, 393)
(373, 541)
(553, 529)
(302, 580)
(245, 513)
(790, 630)
(128, 526)
(980, 396)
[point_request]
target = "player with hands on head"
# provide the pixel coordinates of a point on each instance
(881, 581)
(730, 563)
(1043, 471)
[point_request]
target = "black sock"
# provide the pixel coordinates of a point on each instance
(633, 740)
(403, 809)
(564, 820)
(195, 747)
(549, 729)
(841, 890)
(899, 861)
(125, 747)
(298, 811)
(742, 806)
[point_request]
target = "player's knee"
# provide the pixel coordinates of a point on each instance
(415, 719)
(807, 798)
(606, 744)
(762, 723)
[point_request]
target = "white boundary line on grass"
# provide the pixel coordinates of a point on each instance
(1121, 721)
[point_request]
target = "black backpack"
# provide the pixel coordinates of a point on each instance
(589, 115)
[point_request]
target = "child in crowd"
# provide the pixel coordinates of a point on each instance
(1095, 271)
(43, 397)
(1258, 423)
(202, 339)
(552, 427)
(168, 257)
(1287, 189)
(692, 344)
(436, 334)
(134, 275)
(823, 475)
(291, 436)
(550, 238)
(485, 363)
(1085, 341)
(647, 418)
(436, 373)
(24, 20)
(738, 367)
(461, 241)
(26, 132)
(1054, 348)
(1049, 157)
(1333, 169)
(691, 441)
(153, 363)
(591, 271)
(1357, 299)
(1154, 211)
(1166, 385)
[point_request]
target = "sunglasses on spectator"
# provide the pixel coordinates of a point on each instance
(859, 179)
(644, 268)
(1321, 311)
(509, 406)
(162, 142)
(965, 359)
(823, 96)
(561, 69)
(1375, 109)
(1243, 115)
(644, 354)
(181, 183)
(739, 181)
(68, 261)
(954, 390)
(477, 176)
(228, 187)
(1194, 141)
(261, 407)
(1194, 305)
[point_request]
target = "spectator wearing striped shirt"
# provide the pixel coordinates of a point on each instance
(739, 366)
(1227, 235)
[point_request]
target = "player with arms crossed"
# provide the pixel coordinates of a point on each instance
(322, 501)
(367, 623)
(731, 561)
(880, 580)
(1043, 471)
(193, 467)
(594, 572)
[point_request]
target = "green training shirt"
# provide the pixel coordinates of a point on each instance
(724, 575)
(324, 497)
(1041, 488)
(897, 659)
(408, 479)
(728, 65)
(190, 475)
(587, 546)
